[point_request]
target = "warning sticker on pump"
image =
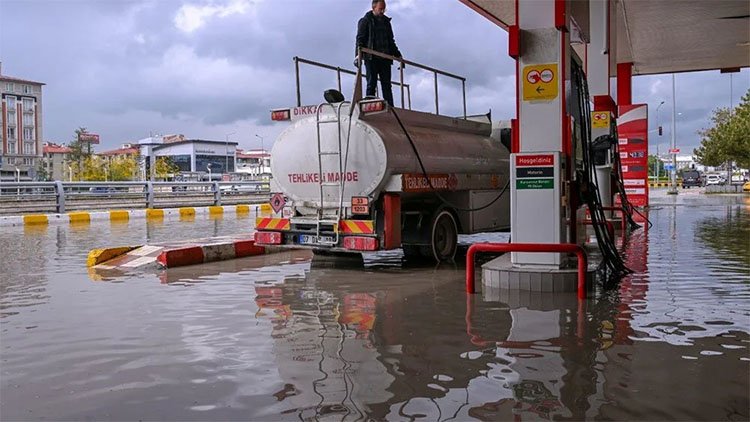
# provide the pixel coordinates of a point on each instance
(540, 82)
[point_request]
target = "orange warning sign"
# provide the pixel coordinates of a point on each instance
(540, 82)
(600, 119)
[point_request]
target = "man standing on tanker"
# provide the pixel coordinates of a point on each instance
(374, 31)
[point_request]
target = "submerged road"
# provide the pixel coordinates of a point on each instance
(286, 337)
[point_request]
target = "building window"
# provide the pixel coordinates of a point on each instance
(28, 134)
(26, 89)
(11, 132)
(9, 86)
(28, 148)
(11, 147)
(11, 101)
(28, 104)
(182, 162)
(11, 118)
(28, 120)
(28, 161)
(218, 163)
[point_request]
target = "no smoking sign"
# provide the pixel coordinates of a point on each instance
(600, 119)
(540, 82)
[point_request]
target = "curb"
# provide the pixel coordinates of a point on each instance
(97, 256)
(192, 255)
(86, 217)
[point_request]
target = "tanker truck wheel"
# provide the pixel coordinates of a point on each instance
(444, 236)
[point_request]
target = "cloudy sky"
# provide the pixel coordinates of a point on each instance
(214, 69)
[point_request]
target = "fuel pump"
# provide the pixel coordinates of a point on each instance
(594, 164)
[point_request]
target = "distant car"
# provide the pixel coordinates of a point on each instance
(713, 179)
(691, 178)
(746, 187)
(101, 190)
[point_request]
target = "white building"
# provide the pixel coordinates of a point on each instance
(256, 163)
(202, 156)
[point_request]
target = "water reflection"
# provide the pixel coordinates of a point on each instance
(280, 337)
(728, 237)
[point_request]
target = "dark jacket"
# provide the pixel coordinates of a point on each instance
(376, 36)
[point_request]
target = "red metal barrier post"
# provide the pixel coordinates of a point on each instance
(528, 247)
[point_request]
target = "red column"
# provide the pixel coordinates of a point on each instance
(624, 84)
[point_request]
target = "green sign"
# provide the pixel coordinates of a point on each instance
(535, 184)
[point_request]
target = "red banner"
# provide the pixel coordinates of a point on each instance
(632, 129)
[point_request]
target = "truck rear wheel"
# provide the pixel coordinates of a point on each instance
(444, 236)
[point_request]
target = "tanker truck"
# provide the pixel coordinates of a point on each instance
(352, 177)
(369, 177)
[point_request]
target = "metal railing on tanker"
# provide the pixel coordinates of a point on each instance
(17, 198)
(435, 73)
(405, 88)
(339, 70)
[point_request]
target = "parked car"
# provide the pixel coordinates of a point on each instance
(746, 187)
(713, 179)
(691, 178)
(100, 190)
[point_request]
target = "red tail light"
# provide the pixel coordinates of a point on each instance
(268, 238)
(281, 115)
(361, 243)
(369, 107)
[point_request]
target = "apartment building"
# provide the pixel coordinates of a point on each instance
(256, 163)
(21, 122)
(56, 162)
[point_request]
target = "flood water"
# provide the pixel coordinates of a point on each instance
(275, 337)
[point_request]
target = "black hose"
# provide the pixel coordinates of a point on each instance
(610, 255)
(429, 182)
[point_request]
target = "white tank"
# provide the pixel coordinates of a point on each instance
(377, 150)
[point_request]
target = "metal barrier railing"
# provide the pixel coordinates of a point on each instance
(339, 71)
(59, 197)
(403, 61)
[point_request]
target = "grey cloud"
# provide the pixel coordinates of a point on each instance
(103, 60)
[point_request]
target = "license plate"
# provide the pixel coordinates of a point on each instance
(309, 239)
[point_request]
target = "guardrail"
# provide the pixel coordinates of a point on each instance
(59, 197)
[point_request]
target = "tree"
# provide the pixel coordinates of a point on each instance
(165, 167)
(653, 162)
(93, 169)
(123, 168)
(79, 152)
(41, 172)
(728, 139)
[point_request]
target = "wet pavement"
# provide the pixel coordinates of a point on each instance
(276, 337)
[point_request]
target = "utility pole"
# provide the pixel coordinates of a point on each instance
(673, 180)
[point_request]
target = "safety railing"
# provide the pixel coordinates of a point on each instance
(528, 247)
(339, 71)
(435, 73)
(26, 197)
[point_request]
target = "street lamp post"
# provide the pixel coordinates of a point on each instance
(208, 166)
(658, 141)
(262, 151)
(18, 180)
(673, 180)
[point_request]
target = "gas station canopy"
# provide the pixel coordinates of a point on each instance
(662, 36)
